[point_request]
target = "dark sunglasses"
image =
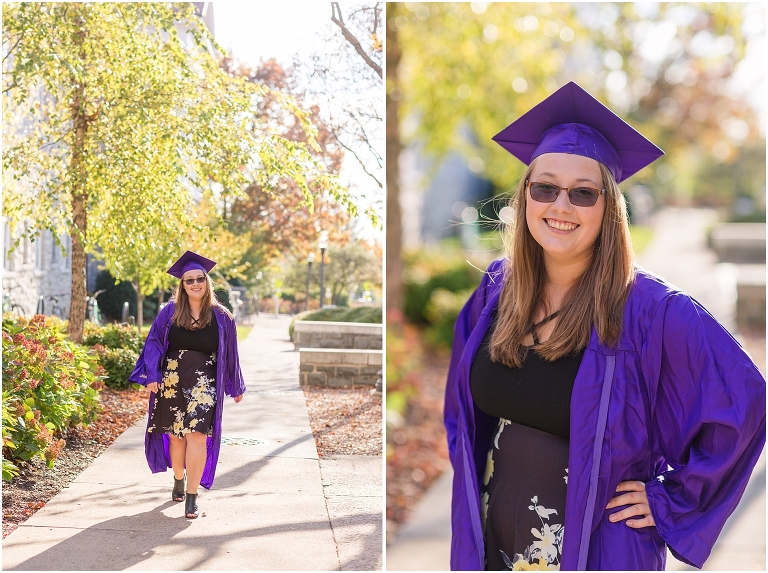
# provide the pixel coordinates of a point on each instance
(195, 280)
(578, 196)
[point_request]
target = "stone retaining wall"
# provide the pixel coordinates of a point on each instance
(739, 242)
(339, 368)
(750, 301)
(319, 334)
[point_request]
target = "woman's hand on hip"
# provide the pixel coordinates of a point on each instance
(238, 398)
(637, 502)
(152, 387)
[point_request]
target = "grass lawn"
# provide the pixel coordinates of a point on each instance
(641, 236)
(242, 332)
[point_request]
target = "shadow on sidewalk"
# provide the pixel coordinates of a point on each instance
(105, 545)
(236, 476)
(368, 558)
(122, 543)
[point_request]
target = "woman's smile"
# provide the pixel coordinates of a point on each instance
(561, 226)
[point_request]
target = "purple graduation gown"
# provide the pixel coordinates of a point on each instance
(677, 404)
(229, 381)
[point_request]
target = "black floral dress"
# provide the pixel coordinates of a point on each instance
(186, 398)
(526, 472)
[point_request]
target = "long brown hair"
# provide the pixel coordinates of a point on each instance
(182, 312)
(597, 299)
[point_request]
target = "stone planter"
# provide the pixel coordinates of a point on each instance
(339, 368)
(319, 334)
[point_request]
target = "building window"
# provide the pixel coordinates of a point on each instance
(39, 252)
(55, 253)
(7, 258)
(25, 251)
(67, 242)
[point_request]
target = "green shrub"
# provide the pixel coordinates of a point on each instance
(367, 314)
(428, 270)
(442, 309)
(9, 468)
(113, 336)
(118, 348)
(118, 363)
(49, 384)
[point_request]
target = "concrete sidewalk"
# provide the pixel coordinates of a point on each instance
(678, 252)
(274, 505)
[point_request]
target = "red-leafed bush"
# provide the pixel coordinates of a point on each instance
(49, 384)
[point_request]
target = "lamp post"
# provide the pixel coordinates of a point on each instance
(259, 276)
(323, 244)
(310, 260)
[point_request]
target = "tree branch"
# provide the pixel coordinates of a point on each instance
(12, 48)
(337, 19)
(360, 161)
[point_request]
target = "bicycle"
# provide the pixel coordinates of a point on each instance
(9, 305)
(56, 309)
(93, 313)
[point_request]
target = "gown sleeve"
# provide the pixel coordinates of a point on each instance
(708, 422)
(149, 364)
(463, 327)
(235, 385)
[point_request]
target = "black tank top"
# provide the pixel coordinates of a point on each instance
(537, 395)
(203, 340)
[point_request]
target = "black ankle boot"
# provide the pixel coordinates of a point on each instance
(190, 508)
(178, 489)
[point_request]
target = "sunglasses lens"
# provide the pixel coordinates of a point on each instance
(583, 196)
(544, 193)
(578, 196)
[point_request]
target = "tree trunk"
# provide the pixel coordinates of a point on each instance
(139, 311)
(393, 223)
(79, 174)
(79, 294)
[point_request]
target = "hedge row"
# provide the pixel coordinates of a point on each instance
(437, 284)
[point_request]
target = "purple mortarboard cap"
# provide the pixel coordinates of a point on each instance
(190, 261)
(572, 121)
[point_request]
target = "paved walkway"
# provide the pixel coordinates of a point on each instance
(678, 253)
(274, 505)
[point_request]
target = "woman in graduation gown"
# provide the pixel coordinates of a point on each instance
(189, 362)
(596, 415)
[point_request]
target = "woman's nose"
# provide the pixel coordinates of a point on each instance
(562, 202)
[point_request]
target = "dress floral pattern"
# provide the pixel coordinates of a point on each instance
(186, 397)
(520, 547)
